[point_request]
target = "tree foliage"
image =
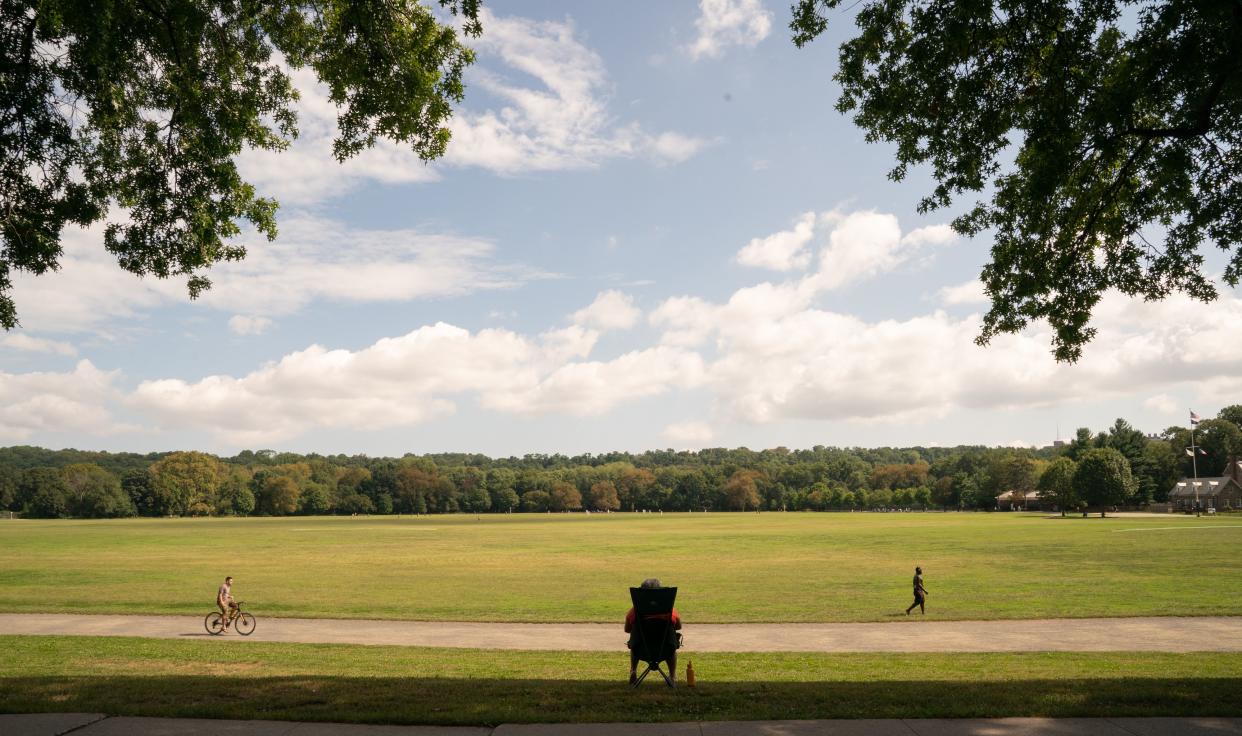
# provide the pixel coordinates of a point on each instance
(1057, 483)
(133, 113)
(1108, 135)
(1103, 478)
(36, 482)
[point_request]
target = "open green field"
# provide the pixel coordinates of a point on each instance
(551, 567)
(454, 686)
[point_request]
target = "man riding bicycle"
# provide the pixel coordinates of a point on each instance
(225, 602)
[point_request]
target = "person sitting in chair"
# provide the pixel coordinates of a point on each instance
(630, 628)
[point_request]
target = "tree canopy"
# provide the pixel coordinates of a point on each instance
(1106, 134)
(132, 113)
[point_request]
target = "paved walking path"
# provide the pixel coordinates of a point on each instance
(916, 634)
(88, 724)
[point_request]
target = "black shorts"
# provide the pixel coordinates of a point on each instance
(674, 638)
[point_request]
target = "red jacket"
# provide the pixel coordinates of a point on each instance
(629, 619)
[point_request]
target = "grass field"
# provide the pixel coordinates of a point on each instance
(412, 685)
(730, 567)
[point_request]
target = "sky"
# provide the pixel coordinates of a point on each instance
(651, 230)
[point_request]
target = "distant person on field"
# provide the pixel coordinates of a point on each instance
(920, 593)
(224, 600)
(631, 620)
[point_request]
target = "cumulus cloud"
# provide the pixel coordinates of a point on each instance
(857, 246)
(611, 310)
(413, 379)
(26, 343)
(724, 23)
(245, 324)
(767, 353)
(862, 245)
(969, 292)
(42, 402)
(784, 250)
(780, 358)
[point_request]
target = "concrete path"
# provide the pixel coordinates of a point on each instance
(86, 724)
(916, 634)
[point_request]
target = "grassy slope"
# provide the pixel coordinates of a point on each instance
(234, 679)
(730, 567)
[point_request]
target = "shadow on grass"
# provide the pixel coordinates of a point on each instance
(494, 701)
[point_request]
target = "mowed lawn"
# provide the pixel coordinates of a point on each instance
(241, 679)
(574, 567)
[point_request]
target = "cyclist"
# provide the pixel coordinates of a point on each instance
(224, 601)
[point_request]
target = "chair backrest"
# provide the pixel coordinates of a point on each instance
(653, 622)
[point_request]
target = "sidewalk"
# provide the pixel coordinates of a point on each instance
(913, 634)
(87, 724)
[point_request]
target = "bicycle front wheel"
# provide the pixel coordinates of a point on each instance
(245, 624)
(214, 623)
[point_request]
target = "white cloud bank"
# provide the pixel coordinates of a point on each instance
(765, 354)
(412, 379)
(724, 23)
(41, 402)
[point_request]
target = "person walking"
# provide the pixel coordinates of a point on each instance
(920, 593)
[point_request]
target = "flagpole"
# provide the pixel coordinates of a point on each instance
(1194, 459)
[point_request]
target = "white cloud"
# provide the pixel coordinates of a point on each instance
(941, 234)
(307, 172)
(26, 343)
(723, 23)
(782, 251)
(674, 148)
(562, 124)
(859, 246)
(779, 358)
(767, 353)
(863, 245)
(611, 310)
(245, 324)
(969, 292)
(32, 403)
(312, 259)
(412, 379)
(689, 435)
(1162, 403)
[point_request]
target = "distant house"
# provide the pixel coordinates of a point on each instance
(1021, 501)
(1224, 492)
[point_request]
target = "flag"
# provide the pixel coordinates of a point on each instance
(1188, 452)
(1194, 418)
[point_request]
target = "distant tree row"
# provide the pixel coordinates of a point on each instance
(1120, 466)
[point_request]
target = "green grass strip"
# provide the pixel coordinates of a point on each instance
(404, 685)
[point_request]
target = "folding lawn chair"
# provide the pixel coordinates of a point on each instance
(654, 638)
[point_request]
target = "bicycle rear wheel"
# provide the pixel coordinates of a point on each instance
(214, 623)
(245, 624)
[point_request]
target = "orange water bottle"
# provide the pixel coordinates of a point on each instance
(689, 673)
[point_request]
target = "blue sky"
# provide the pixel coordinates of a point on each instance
(652, 229)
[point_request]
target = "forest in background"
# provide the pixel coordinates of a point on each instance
(1118, 466)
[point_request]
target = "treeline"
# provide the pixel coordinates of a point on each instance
(1119, 466)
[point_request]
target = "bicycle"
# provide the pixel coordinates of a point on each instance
(243, 622)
